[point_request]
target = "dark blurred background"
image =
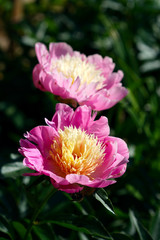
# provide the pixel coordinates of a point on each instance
(126, 30)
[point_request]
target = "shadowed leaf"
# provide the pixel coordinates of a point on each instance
(102, 197)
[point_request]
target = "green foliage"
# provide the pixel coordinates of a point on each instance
(128, 31)
(102, 197)
(142, 232)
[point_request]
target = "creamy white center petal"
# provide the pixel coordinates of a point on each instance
(73, 67)
(77, 152)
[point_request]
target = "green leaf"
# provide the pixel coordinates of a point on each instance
(84, 223)
(44, 232)
(142, 232)
(21, 230)
(5, 227)
(121, 236)
(2, 238)
(155, 226)
(102, 197)
(14, 169)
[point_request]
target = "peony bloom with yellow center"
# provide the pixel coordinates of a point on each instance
(75, 150)
(78, 79)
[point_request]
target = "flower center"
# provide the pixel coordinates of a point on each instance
(73, 67)
(76, 152)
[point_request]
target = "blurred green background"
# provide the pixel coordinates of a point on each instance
(129, 32)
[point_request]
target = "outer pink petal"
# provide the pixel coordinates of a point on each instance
(115, 161)
(63, 115)
(55, 83)
(99, 128)
(122, 146)
(42, 53)
(113, 79)
(119, 171)
(32, 174)
(119, 164)
(85, 92)
(84, 180)
(53, 174)
(104, 170)
(81, 117)
(104, 99)
(70, 188)
(38, 77)
(101, 183)
(117, 93)
(80, 55)
(33, 158)
(95, 59)
(106, 65)
(98, 101)
(59, 49)
(42, 136)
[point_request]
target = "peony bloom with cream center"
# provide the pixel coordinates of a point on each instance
(73, 66)
(75, 150)
(76, 78)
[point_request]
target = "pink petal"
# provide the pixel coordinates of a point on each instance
(104, 170)
(63, 115)
(81, 117)
(113, 79)
(119, 171)
(74, 87)
(84, 180)
(38, 77)
(42, 53)
(59, 49)
(99, 128)
(70, 188)
(43, 137)
(95, 59)
(31, 174)
(33, 158)
(117, 93)
(98, 101)
(122, 146)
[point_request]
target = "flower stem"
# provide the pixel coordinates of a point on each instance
(37, 211)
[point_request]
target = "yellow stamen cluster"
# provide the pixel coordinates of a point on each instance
(74, 66)
(76, 152)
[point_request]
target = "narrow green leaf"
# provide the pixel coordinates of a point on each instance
(102, 197)
(21, 230)
(37, 211)
(85, 223)
(44, 232)
(121, 236)
(13, 170)
(142, 232)
(5, 227)
(2, 238)
(155, 226)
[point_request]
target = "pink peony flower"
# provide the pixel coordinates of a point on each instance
(75, 150)
(71, 75)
